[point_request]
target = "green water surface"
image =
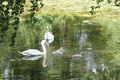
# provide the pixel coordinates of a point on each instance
(97, 42)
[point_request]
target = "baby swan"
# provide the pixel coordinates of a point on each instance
(59, 51)
(78, 55)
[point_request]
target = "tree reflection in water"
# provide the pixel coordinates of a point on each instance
(83, 39)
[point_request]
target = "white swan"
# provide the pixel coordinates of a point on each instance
(49, 37)
(35, 52)
(30, 52)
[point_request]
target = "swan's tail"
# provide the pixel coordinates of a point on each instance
(20, 53)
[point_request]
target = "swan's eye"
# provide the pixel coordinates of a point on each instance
(47, 40)
(46, 28)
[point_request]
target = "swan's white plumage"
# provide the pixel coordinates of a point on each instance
(35, 51)
(49, 37)
(31, 52)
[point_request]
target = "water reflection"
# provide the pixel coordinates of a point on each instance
(81, 58)
(31, 58)
(26, 68)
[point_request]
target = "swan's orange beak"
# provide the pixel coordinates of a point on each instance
(45, 65)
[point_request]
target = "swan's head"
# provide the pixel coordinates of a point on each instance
(47, 28)
(43, 42)
(61, 48)
(45, 65)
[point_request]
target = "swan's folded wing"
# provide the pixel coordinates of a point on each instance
(32, 52)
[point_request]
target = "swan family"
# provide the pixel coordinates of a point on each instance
(48, 38)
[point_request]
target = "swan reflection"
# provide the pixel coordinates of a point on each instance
(32, 58)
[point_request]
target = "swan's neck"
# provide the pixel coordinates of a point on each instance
(46, 35)
(47, 32)
(43, 46)
(44, 60)
(44, 51)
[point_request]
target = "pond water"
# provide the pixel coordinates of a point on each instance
(86, 56)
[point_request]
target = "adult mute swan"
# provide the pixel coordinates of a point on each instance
(35, 52)
(49, 37)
